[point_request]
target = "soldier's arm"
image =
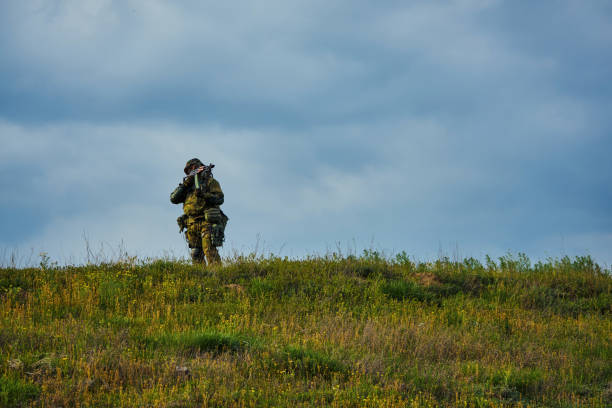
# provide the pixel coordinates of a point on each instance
(214, 194)
(179, 194)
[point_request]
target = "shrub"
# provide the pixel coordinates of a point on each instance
(212, 342)
(401, 289)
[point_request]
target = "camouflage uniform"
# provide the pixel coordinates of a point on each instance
(202, 216)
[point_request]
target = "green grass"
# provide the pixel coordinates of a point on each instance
(308, 363)
(16, 392)
(322, 331)
(211, 342)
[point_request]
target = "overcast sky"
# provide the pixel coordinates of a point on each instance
(462, 128)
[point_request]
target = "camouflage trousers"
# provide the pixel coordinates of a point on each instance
(199, 237)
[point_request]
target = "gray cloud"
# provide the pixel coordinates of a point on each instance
(479, 124)
(286, 63)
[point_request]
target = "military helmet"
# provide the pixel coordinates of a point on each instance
(192, 162)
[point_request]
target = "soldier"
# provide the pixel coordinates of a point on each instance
(204, 221)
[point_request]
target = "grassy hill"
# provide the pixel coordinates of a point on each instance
(325, 331)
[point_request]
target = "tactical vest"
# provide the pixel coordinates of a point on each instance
(195, 204)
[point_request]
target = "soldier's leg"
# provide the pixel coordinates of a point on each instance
(197, 255)
(195, 244)
(212, 255)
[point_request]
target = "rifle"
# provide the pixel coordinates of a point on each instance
(206, 172)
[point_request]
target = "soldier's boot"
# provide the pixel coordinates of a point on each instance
(197, 256)
(212, 255)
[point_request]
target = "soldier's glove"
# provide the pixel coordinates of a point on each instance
(212, 199)
(182, 222)
(188, 181)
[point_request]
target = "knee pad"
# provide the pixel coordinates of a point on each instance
(197, 254)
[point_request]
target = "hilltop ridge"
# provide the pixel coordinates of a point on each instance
(322, 331)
